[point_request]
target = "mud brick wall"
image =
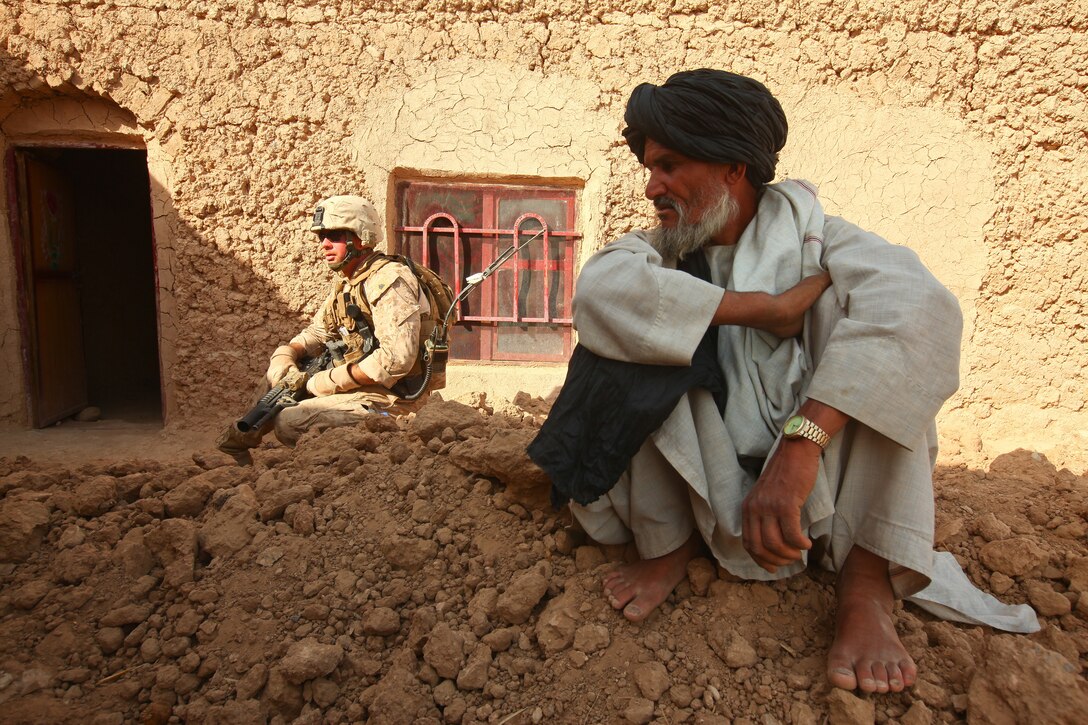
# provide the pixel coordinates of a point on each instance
(956, 128)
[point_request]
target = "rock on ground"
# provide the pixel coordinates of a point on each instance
(368, 576)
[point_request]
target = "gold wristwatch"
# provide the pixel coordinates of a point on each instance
(801, 427)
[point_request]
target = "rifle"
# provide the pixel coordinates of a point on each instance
(285, 393)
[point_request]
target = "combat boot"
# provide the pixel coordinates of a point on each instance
(237, 444)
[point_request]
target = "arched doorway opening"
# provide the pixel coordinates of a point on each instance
(87, 281)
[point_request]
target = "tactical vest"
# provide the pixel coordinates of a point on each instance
(351, 315)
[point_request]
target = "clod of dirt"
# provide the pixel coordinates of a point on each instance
(1019, 681)
(23, 523)
(374, 575)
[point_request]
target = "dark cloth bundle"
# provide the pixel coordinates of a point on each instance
(607, 408)
(711, 115)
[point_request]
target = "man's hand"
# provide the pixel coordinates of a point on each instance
(782, 315)
(771, 513)
(283, 361)
(772, 510)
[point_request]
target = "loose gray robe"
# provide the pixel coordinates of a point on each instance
(881, 345)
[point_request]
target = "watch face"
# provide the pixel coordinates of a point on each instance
(793, 425)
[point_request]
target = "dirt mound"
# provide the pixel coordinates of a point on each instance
(411, 571)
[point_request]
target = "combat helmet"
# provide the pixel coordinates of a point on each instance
(353, 213)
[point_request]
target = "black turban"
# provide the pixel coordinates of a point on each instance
(711, 115)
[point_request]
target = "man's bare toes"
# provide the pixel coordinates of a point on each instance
(842, 677)
(895, 678)
(902, 675)
(880, 677)
(910, 672)
(635, 612)
(613, 581)
(619, 591)
(871, 677)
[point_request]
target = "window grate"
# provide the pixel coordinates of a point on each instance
(523, 310)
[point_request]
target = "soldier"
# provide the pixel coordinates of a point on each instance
(376, 308)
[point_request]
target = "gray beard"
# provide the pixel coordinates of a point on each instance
(687, 237)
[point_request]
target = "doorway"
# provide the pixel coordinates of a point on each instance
(88, 283)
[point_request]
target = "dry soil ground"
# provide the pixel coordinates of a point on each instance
(411, 571)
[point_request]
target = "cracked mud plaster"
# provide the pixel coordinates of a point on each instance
(485, 119)
(952, 127)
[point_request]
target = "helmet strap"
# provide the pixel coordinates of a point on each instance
(352, 253)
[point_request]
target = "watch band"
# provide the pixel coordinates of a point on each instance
(806, 429)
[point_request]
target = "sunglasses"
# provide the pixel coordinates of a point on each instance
(334, 235)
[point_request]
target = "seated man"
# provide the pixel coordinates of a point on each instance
(373, 295)
(824, 445)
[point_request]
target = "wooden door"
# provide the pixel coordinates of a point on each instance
(55, 336)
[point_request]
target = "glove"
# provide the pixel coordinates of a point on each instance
(330, 382)
(282, 362)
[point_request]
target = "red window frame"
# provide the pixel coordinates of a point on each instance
(489, 317)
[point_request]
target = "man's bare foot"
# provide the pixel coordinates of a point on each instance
(639, 588)
(867, 653)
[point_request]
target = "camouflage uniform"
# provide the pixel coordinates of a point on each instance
(398, 309)
(390, 303)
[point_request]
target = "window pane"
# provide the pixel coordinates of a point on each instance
(474, 255)
(465, 343)
(529, 340)
(560, 285)
(494, 207)
(554, 211)
(531, 272)
(530, 297)
(466, 205)
(504, 285)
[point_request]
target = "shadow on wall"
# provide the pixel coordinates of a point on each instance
(219, 319)
(115, 300)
